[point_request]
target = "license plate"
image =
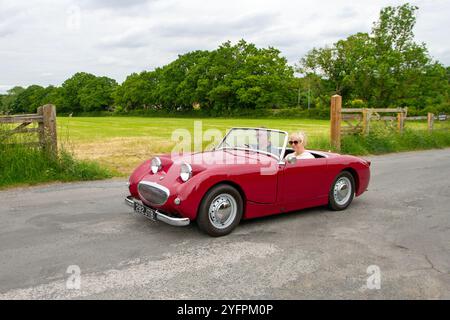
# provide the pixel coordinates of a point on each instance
(145, 211)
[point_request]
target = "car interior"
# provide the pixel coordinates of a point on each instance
(315, 154)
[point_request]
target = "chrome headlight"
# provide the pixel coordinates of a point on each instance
(155, 165)
(185, 172)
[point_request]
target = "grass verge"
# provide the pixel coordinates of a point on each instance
(382, 140)
(25, 165)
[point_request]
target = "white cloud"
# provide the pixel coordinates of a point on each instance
(5, 87)
(46, 41)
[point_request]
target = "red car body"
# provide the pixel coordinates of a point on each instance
(267, 186)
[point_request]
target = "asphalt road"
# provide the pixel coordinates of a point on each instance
(400, 227)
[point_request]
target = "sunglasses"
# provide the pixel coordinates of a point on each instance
(293, 142)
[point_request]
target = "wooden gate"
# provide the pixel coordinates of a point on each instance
(46, 129)
(357, 121)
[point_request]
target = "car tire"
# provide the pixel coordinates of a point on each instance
(342, 191)
(220, 210)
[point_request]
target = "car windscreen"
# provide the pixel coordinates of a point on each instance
(260, 140)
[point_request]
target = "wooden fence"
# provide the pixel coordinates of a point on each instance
(46, 127)
(357, 121)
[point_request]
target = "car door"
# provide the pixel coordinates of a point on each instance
(302, 182)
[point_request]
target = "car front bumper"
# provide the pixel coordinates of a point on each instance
(173, 221)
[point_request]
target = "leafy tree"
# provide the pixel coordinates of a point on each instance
(9, 99)
(385, 67)
(2, 106)
(86, 92)
(232, 77)
(70, 89)
(136, 91)
(97, 94)
(29, 99)
(176, 86)
(241, 77)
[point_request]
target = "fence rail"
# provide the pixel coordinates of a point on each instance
(353, 120)
(46, 129)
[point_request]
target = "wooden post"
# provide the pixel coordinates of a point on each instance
(335, 122)
(400, 121)
(366, 115)
(47, 129)
(430, 121)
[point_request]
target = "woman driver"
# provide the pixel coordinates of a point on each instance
(298, 142)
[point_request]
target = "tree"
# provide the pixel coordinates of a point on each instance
(2, 106)
(385, 67)
(70, 89)
(97, 94)
(242, 77)
(9, 99)
(136, 91)
(86, 92)
(232, 77)
(27, 100)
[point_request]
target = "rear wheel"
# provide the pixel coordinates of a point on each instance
(220, 211)
(342, 191)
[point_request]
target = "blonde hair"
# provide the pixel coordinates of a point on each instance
(300, 136)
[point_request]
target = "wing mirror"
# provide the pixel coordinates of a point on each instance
(292, 160)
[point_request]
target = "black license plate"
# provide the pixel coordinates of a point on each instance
(145, 211)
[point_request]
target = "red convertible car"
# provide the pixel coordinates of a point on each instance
(243, 177)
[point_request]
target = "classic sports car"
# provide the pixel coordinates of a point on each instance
(243, 178)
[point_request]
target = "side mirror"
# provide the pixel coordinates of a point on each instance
(292, 160)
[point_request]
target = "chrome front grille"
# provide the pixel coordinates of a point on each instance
(153, 192)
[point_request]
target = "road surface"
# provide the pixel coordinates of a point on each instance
(393, 243)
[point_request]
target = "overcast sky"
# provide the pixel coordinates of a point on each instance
(45, 42)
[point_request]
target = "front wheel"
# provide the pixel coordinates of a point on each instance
(220, 211)
(342, 191)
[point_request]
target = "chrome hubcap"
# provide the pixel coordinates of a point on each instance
(222, 211)
(342, 191)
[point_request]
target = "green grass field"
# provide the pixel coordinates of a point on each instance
(96, 128)
(120, 143)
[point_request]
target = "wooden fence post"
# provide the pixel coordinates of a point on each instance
(400, 121)
(430, 121)
(47, 129)
(335, 121)
(366, 115)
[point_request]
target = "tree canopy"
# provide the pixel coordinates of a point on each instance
(385, 67)
(239, 76)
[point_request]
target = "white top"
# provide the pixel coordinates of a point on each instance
(304, 155)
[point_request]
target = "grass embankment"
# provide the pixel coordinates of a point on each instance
(121, 143)
(22, 164)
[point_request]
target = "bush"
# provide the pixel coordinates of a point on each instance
(445, 108)
(357, 103)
